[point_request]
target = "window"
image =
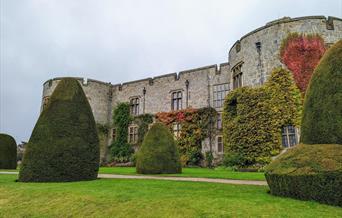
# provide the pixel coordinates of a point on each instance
(176, 102)
(258, 46)
(219, 121)
(176, 129)
(219, 144)
(220, 92)
(134, 104)
(289, 136)
(133, 134)
(237, 76)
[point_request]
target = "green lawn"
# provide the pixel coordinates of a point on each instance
(149, 198)
(220, 173)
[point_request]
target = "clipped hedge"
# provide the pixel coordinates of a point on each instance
(322, 120)
(64, 144)
(308, 172)
(8, 152)
(253, 118)
(158, 153)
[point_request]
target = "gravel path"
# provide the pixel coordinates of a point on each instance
(190, 179)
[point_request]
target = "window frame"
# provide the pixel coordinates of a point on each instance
(176, 131)
(220, 91)
(218, 143)
(289, 135)
(133, 134)
(134, 104)
(176, 100)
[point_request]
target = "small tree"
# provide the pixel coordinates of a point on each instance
(8, 152)
(64, 144)
(322, 120)
(158, 153)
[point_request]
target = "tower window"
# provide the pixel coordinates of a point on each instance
(258, 46)
(237, 76)
(289, 136)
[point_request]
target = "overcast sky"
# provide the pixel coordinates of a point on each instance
(118, 41)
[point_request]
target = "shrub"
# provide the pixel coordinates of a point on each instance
(322, 120)
(121, 150)
(64, 144)
(196, 125)
(253, 118)
(308, 172)
(301, 54)
(8, 152)
(233, 159)
(158, 153)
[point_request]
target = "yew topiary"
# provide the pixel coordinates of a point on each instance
(322, 120)
(8, 152)
(64, 144)
(308, 172)
(158, 153)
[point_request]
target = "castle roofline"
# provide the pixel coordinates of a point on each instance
(285, 20)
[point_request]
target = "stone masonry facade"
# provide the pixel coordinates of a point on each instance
(250, 62)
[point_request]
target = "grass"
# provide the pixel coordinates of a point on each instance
(217, 173)
(149, 198)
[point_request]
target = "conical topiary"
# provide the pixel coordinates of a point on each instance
(158, 153)
(322, 120)
(64, 144)
(8, 152)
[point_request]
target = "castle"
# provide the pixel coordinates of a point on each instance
(250, 62)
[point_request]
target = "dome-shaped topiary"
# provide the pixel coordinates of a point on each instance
(322, 120)
(64, 144)
(8, 152)
(308, 172)
(158, 153)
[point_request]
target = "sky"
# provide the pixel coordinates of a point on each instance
(120, 40)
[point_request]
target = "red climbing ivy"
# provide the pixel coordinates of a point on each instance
(196, 125)
(301, 54)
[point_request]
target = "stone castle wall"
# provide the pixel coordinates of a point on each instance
(258, 64)
(257, 52)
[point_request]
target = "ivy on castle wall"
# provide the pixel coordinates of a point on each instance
(196, 125)
(121, 150)
(253, 118)
(301, 54)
